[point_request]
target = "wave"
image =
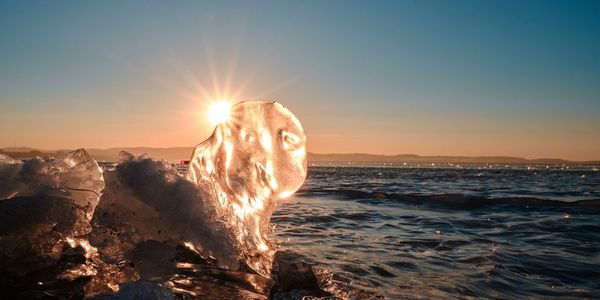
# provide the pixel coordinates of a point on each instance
(457, 201)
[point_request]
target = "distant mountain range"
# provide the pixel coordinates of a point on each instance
(176, 154)
(413, 158)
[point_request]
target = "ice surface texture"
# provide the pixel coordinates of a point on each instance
(42, 203)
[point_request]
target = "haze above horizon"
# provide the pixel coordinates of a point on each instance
(451, 78)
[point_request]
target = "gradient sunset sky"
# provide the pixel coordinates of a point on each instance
(518, 78)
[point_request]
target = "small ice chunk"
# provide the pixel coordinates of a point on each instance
(9, 169)
(74, 175)
(32, 231)
(42, 204)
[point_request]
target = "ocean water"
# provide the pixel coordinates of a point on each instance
(382, 231)
(489, 231)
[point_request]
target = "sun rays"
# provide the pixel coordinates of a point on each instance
(219, 111)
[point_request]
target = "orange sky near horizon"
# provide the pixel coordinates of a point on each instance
(353, 132)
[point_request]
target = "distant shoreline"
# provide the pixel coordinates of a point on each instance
(176, 154)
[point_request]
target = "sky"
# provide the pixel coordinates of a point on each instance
(473, 78)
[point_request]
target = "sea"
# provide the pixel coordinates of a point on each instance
(393, 231)
(450, 231)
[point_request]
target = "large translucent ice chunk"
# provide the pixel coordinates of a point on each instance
(42, 203)
(251, 161)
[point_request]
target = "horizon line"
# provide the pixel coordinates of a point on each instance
(329, 153)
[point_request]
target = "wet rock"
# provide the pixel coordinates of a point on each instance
(140, 290)
(294, 278)
(49, 282)
(297, 277)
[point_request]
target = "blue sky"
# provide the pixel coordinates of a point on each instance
(428, 77)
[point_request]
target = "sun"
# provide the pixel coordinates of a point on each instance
(219, 112)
